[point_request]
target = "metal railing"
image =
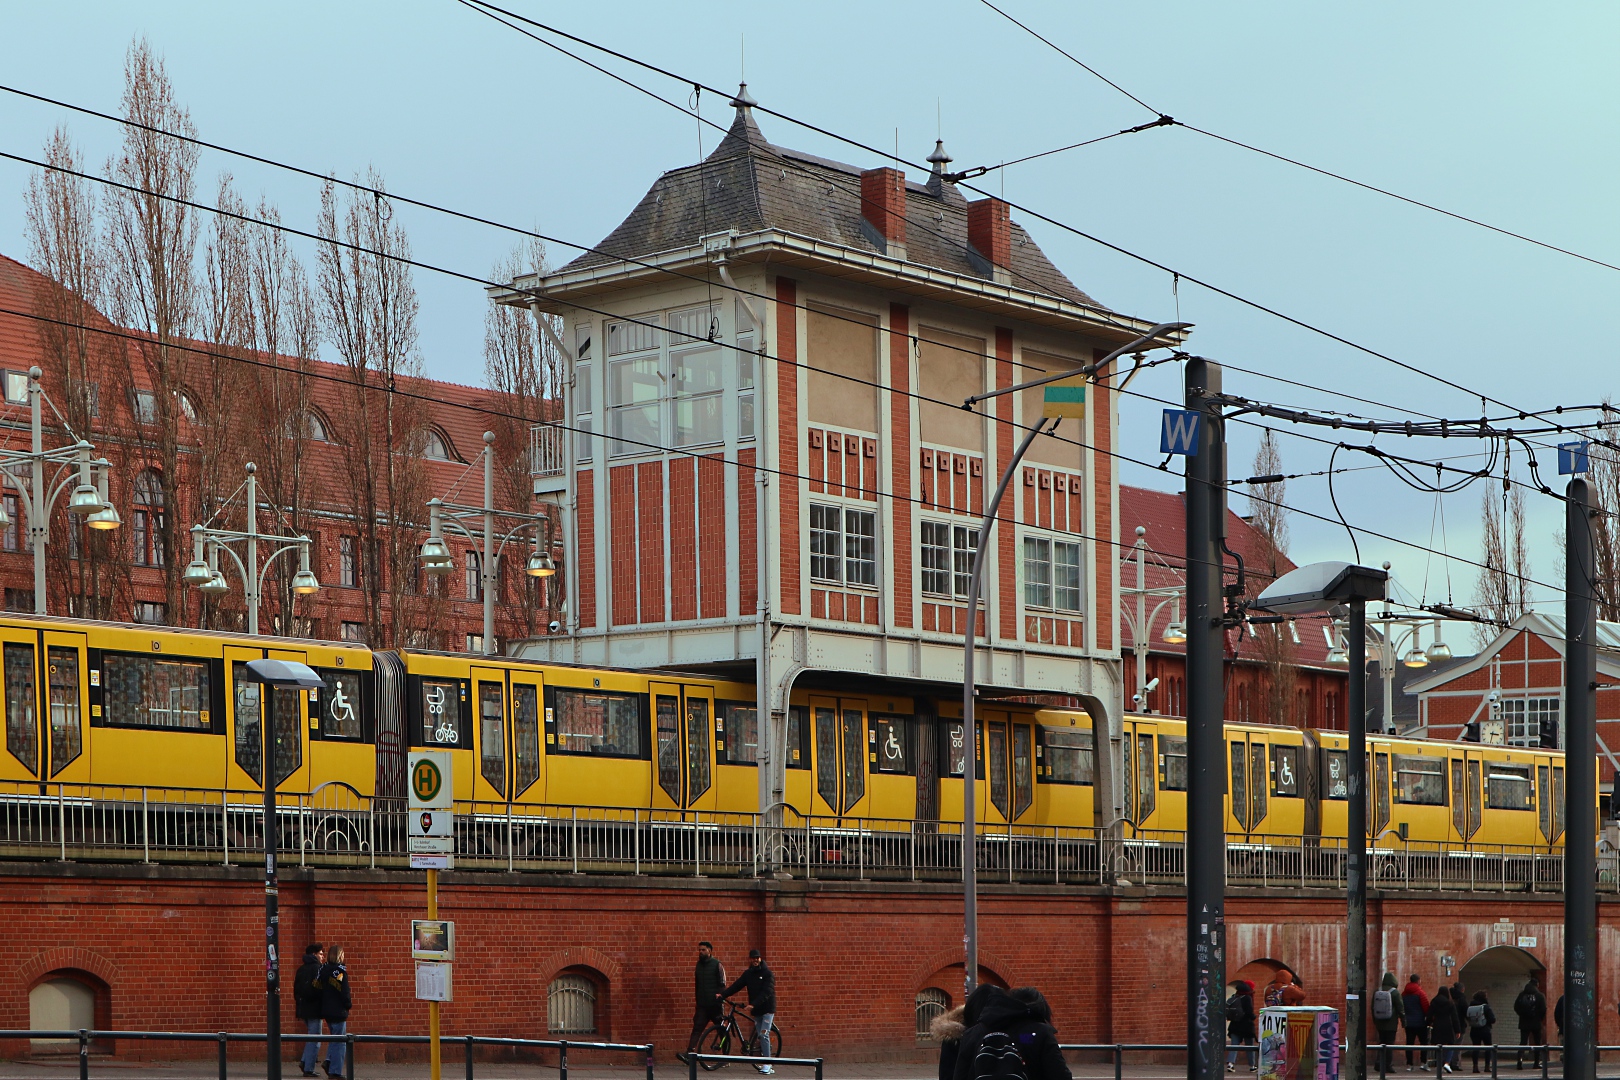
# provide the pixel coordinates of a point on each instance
(694, 1059)
(1540, 1056)
(337, 826)
(85, 1038)
(546, 450)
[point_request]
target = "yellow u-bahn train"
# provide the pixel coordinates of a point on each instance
(95, 705)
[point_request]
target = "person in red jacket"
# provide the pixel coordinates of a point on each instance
(1415, 1016)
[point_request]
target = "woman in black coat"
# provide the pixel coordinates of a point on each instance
(337, 998)
(1444, 1029)
(1480, 1034)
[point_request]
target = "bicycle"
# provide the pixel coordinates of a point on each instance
(725, 1038)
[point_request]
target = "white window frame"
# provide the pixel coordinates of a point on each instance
(1522, 716)
(1053, 600)
(961, 541)
(842, 558)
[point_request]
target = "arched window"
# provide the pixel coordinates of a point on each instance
(188, 407)
(60, 1003)
(571, 1005)
(307, 425)
(146, 524)
(437, 447)
(931, 1002)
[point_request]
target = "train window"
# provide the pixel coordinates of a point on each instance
(1147, 791)
(525, 737)
(441, 712)
(997, 734)
(64, 687)
(740, 722)
(22, 722)
(827, 755)
(148, 692)
(339, 705)
(1544, 801)
(1337, 772)
(1558, 801)
(1023, 751)
(798, 737)
(1172, 763)
(1068, 756)
(492, 734)
(956, 748)
(599, 722)
(250, 735)
(1257, 783)
(699, 742)
(669, 744)
(1420, 781)
(854, 759)
(891, 743)
(1507, 787)
(1285, 771)
(1240, 785)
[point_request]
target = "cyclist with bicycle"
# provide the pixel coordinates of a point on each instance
(760, 982)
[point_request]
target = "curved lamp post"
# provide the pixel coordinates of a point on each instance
(203, 573)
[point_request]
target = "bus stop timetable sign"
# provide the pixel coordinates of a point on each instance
(428, 778)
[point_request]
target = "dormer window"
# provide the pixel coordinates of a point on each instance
(436, 447)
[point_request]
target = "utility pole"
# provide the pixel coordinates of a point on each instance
(1206, 707)
(1580, 781)
(1355, 856)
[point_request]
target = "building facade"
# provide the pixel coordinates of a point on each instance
(772, 324)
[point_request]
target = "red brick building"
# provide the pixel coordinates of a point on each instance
(129, 574)
(1320, 688)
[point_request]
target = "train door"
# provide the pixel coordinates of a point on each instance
(1248, 778)
(1009, 767)
(24, 759)
(506, 706)
(839, 732)
(253, 705)
(683, 727)
(1378, 799)
(1550, 799)
(1466, 794)
(66, 696)
(1141, 775)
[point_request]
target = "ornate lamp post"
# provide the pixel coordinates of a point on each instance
(207, 542)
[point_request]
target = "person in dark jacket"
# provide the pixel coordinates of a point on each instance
(1388, 1028)
(946, 1029)
(1241, 1028)
(709, 978)
(1035, 1039)
(1531, 1008)
(1415, 1018)
(1481, 1019)
(337, 998)
(307, 1003)
(761, 986)
(1443, 1029)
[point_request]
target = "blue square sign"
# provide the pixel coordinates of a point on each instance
(1180, 432)
(1573, 457)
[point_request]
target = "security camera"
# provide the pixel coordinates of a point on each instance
(1136, 701)
(554, 626)
(1153, 684)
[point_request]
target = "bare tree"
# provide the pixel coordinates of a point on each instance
(524, 369)
(151, 244)
(1274, 642)
(1502, 593)
(88, 575)
(1604, 476)
(368, 313)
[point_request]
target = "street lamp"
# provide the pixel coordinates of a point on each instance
(1322, 587)
(203, 573)
(75, 470)
(1141, 623)
(437, 560)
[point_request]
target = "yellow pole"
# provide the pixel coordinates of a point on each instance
(433, 1006)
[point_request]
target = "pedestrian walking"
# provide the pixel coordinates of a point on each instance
(1531, 1008)
(1012, 1040)
(1241, 1028)
(1386, 1017)
(337, 998)
(307, 1003)
(1443, 1029)
(709, 978)
(760, 983)
(1415, 1018)
(1481, 1018)
(947, 1029)
(1282, 990)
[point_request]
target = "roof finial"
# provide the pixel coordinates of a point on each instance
(940, 157)
(743, 100)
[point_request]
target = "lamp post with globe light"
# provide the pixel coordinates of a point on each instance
(207, 541)
(1141, 622)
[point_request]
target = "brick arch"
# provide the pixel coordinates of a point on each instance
(579, 956)
(68, 958)
(945, 958)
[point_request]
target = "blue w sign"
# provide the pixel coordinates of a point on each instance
(1180, 434)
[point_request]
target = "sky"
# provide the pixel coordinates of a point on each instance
(1505, 113)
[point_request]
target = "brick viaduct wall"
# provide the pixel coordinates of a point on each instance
(180, 949)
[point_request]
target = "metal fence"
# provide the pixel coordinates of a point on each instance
(87, 1040)
(336, 826)
(1541, 1057)
(547, 456)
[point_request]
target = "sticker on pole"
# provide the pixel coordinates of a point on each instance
(1065, 397)
(1180, 432)
(1573, 458)
(428, 778)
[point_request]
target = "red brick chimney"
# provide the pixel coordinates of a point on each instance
(883, 205)
(990, 231)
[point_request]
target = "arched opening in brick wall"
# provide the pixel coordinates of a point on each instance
(1261, 972)
(1501, 971)
(942, 991)
(577, 1003)
(67, 1000)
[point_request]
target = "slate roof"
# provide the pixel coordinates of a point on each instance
(751, 185)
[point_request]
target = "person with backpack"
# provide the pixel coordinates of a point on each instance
(1012, 1040)
(1415, 1017)
(1241, 1025)
(1531, 1008)
(1481, 1019)
(1282, 990)
(1386, 1021)
(1443, 1029)
(307, 1003)
(337, 998)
